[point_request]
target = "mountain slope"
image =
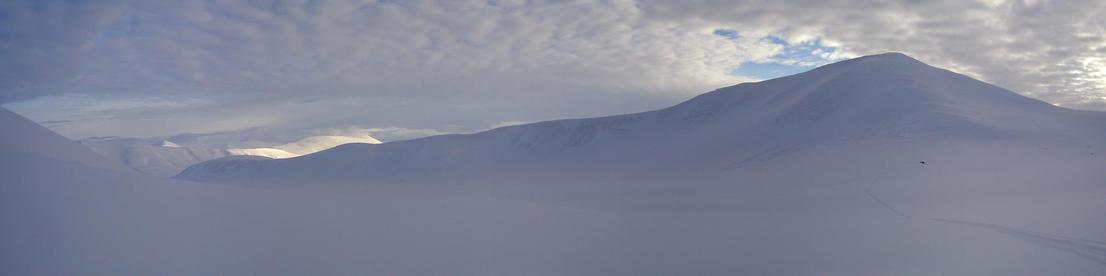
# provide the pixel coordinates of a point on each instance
(165, 159)
(888, 97)
(24, 138)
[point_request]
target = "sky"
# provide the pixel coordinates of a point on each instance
(257, 72)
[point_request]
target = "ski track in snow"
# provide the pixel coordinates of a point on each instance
(885, 205)
(1090, 249)
(762, 156)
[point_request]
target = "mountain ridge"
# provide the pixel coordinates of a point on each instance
(881, 97)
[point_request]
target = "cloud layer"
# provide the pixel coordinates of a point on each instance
(1048, 49)
(104, 67)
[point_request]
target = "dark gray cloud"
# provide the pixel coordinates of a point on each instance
(160, 68)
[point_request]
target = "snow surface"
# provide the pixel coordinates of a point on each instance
(814, 174)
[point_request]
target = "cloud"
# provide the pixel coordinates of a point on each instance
(271, 70)
(384, 134)
(43, 44)
(383, 48)
(1047, 49)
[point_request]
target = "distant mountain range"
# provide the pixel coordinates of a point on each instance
(165, 158)
(880, 165)
(889, 99)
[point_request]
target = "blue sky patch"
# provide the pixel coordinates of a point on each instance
(793, 59)
(727, 33)
(764, 71)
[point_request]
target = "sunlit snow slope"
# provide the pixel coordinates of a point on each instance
(304, 146)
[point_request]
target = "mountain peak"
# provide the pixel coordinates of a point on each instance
(890, 55)
(880, 63)
(871, 96)
(168, 144)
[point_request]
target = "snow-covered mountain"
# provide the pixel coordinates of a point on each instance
(165, 159)
(889, 98)
(304, 146)
(24, 138)
(820, 173)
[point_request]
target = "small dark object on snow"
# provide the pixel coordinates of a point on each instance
(923, 162)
